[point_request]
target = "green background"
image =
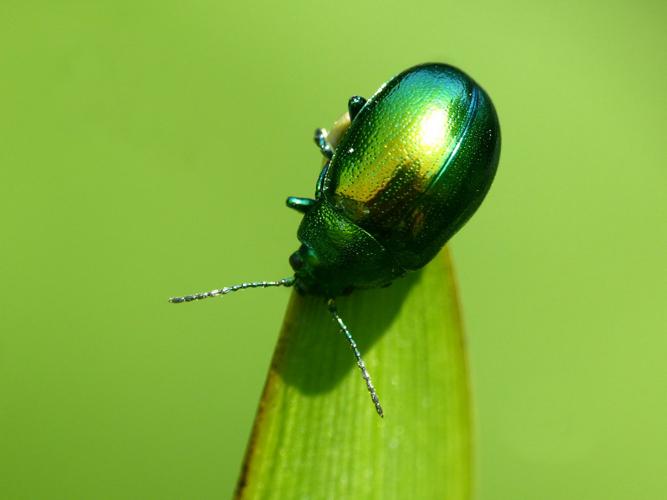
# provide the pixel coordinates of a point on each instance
(146, 149)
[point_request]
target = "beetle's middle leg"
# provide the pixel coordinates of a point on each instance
(323, 143)
(354, 105)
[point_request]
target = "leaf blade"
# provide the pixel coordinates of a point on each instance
(317, 435)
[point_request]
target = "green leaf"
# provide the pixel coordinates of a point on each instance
(317, 434)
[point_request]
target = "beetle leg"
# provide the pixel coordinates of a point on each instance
(354, 105)
(300, 204)
(322, 142)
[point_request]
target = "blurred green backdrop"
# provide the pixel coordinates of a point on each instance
(146, 149)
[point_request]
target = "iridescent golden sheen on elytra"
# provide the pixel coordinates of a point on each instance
(387, 160)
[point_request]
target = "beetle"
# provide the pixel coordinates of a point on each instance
(415, 163)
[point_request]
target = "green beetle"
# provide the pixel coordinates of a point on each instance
(415, 163)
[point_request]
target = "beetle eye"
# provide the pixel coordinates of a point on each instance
(296, 261)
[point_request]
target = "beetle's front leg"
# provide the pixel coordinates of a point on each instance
(322, 143)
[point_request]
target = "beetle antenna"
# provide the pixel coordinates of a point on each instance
(331, 304)
(233, 288)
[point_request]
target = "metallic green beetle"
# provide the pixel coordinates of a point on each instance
(415, 163)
